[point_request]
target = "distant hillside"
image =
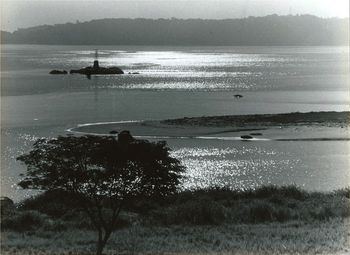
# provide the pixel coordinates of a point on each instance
(269, 30)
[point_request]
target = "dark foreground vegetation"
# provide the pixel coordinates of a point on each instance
(56, 210)
(212, 210)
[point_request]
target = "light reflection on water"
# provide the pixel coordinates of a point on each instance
(243, 165)
(240, 167)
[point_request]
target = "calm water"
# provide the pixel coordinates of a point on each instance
(177, 82)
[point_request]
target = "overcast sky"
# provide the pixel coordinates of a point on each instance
(25, 13)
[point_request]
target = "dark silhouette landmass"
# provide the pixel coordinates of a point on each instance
(98, 70)
(269, 30)
(58, 72)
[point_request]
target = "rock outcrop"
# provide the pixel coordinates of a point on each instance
(98, 70)
(58, 72)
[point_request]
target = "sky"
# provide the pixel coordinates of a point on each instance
(26, 13)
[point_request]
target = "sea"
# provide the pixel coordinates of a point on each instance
(174, 82)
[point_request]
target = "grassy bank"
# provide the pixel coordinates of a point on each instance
(268, 220)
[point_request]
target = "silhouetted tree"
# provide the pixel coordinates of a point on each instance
(101, 173)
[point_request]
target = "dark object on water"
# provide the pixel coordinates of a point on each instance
(256, 134)
(114, 132)
(246, 137)
(99, 70)
(238, 96)
(58, 72)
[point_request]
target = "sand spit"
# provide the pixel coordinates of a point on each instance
(312, 126)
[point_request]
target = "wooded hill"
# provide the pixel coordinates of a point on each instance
(268, 30)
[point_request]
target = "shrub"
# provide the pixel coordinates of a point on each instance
(277, 199)
(263, 211)
(344, 192)
(26, 220)
(322, 213)
(55, 225)
(283, 214)
(197, 212)
(294, 192)
(54, 203)
(290, 191)
(260, 212)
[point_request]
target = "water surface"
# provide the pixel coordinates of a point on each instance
(176, 82)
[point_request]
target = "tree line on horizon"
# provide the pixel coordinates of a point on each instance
(269, 30)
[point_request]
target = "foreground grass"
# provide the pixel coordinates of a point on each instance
(275, 238)
(268, 220)
(328, 237)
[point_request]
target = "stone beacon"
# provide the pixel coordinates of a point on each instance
(96, 64)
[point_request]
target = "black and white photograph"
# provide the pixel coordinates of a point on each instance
(175, 127)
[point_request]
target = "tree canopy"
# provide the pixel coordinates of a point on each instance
(102, 172)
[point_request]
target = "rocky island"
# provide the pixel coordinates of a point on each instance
(91, 70)
(58, 72)
(96, 69)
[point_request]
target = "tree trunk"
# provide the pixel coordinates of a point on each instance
(105, 231)
(100, 243)
(100, 246)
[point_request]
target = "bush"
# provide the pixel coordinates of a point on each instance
(54, 203)
(26, 220)
(344, 192)
(55, 225)
(322, 213)
(290, 191)
(294, 192)
(260, 212)
(79, 219)
(277, 199)
(197, 212)
(263, 211)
